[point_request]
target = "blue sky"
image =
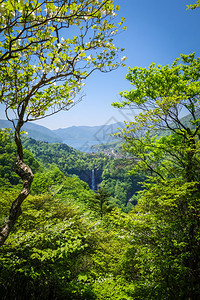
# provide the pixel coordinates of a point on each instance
(157, 31)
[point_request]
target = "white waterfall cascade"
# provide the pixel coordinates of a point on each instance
(93, 180)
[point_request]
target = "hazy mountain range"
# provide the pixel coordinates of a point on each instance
(79, 137)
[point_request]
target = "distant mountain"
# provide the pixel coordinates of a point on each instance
(116, 146)
(79, 137)
(84, 137)
(37, 132)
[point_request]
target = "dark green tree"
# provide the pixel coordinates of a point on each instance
(101, 202)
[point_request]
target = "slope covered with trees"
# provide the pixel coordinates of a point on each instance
(65, 241)
(65, 244)
(110, 173)
(169, 207)
(37, 38)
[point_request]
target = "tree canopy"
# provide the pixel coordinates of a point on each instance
(46, 50)
(165, 146)
(163, 95)
(70, 242)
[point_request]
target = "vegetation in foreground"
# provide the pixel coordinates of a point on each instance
(67, 242)
(75, 244)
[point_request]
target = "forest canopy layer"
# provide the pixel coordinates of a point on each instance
(127, 240)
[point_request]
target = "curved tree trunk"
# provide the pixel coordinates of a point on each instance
(26, 174)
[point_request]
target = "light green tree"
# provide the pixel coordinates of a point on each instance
(47, 49)
(163, 143)
(166, 148)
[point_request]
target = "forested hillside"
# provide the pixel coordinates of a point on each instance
(109, 172)
(120, 224)
(35, 131)
(59, 242)
(79, 137)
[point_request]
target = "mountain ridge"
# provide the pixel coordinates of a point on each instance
(80, 137)
(84, 138)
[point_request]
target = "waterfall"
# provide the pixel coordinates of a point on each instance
(93, 180)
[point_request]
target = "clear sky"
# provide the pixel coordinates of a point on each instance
(157, 31)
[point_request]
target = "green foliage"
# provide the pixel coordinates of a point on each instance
(56, 45)
(41, 261)
(113, 288)
(161, 93)
(59, 246)
(69, 160)
(68, 243)
(164, 237)
(47, 180)
(121, 186)
(193, 6)
(8, 160)
(49, 42)
(57, 250)
(7, 193)
(111, 173)
(101, 202)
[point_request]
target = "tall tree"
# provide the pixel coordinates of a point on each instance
(47, 49)
(161, 95)
(165, 147)
(101, 202)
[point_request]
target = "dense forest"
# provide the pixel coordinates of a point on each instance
(73, 243)
(66, 242)
(109, 172)
(122, 223)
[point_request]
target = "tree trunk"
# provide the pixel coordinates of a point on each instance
(26, 174)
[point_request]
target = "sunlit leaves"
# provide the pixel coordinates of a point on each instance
(163, 89)
(160, 94)
(193, 6)
(164, 147)
(48, 42)
(165, 234)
